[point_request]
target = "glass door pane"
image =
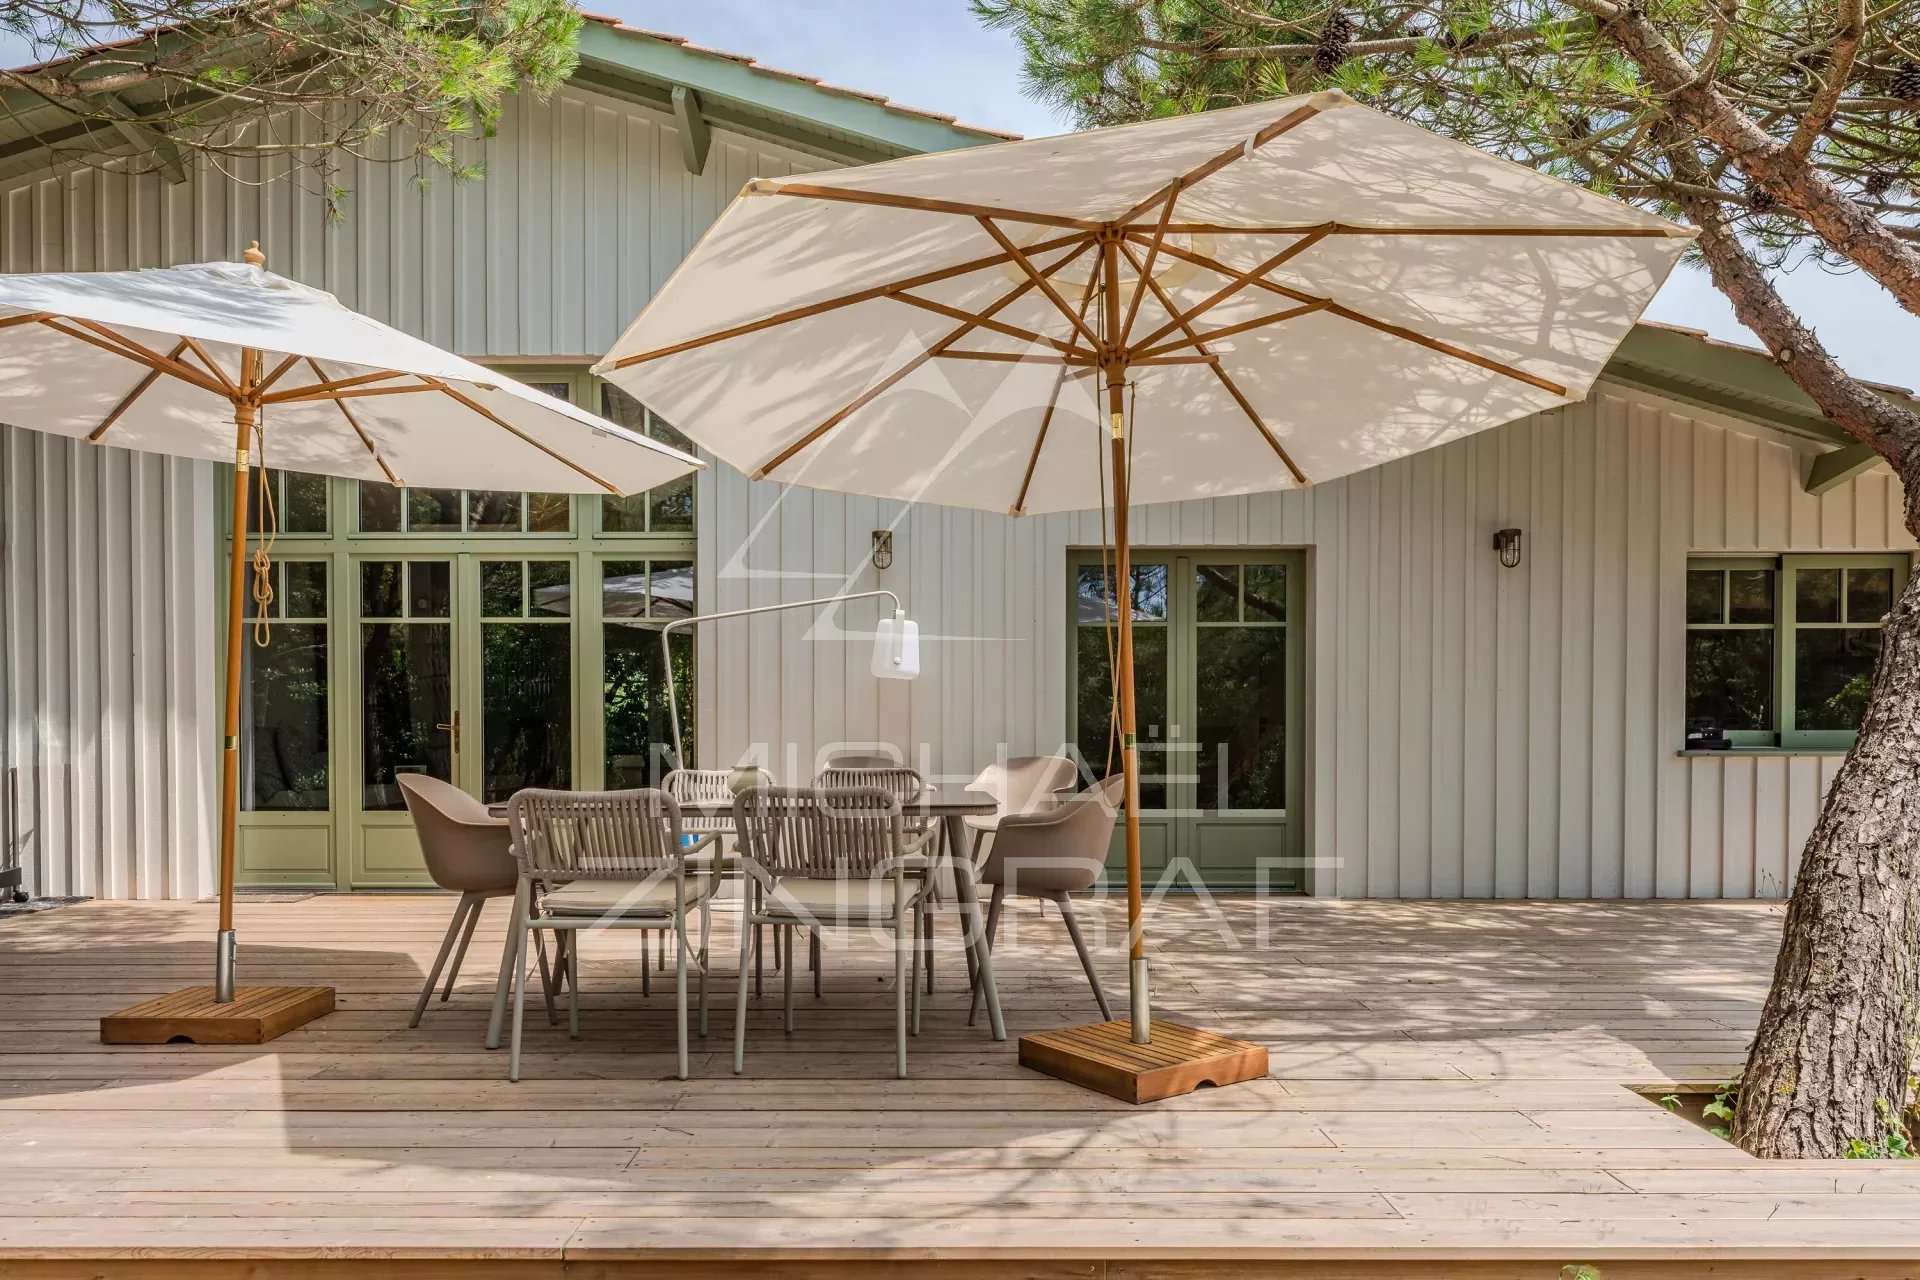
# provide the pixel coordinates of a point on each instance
(1240, 686)
(526, 676)
(406, 675)
(637, 598)
(1096, 636)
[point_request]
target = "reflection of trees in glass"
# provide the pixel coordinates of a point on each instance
(405, 686)
(1242, 706)
(1093, 702)
(527, 730)
(639, 728)
(1730, 679)
(1833, 675)
(286, 728)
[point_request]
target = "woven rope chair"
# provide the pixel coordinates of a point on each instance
(603, 860)
(855, 769)
(815, 858)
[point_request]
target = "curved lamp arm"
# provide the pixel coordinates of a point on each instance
(666, 651)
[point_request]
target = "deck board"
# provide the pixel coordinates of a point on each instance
(1449, 1080)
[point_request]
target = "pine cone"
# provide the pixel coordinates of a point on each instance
(1906, 82)
(1877, 184)
(1331, 49)
(1760, 200)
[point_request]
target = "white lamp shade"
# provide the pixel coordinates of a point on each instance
(896, 648)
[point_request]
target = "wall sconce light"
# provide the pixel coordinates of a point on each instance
(882, 555)
(1507, 543)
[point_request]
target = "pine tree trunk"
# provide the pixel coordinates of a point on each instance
(1837, 1037)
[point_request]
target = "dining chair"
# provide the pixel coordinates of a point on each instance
(591, 860)
(1053, 855)
(878, 769)
(814, 858)
(467, 851)
(1020, 784)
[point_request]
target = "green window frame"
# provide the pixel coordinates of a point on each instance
(1813, 602)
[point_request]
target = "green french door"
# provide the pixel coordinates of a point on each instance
(465, 672)
(1219, 680)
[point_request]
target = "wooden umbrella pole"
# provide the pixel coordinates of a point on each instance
(1115, 362)
(245, 408)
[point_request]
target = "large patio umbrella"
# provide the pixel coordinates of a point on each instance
(1248, 299)
(228, 361)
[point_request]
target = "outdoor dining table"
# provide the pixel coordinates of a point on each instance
(952, 809)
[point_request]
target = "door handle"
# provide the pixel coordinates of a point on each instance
(453, 729)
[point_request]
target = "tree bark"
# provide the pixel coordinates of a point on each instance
(1845, 224)
(1836, 1039)
(1837, 1036)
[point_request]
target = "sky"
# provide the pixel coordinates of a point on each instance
(934, 54)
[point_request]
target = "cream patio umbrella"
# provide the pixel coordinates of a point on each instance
(1248, 299)
(229, 362)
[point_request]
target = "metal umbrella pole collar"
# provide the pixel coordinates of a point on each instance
(666, 651)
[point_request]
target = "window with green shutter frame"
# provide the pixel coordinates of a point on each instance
(1780, 650)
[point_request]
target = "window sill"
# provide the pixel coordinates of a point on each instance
(1770, 751)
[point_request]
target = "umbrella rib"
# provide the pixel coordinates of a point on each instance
(1053, 403)
(1298, 116)
(186, 373)
(845, 300)
(352, 421)
(327, 390)
(1153, 253)
(1184, 320)
(1014, 357)
(960, 313)
(924, 204)
(504, 425)
(1226, 380)
(1383, 326)
(1039, 278)
(30, 317)
(1351, 229)
(219, 374)
(126, 403)
(871, 393)
(1149, 354)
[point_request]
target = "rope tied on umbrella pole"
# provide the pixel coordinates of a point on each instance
(269, 533)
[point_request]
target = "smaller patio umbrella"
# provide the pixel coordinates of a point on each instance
(226, 361)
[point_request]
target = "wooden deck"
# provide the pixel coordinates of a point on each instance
(1449, 1081)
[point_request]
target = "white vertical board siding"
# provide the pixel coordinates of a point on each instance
(1475, 731)
(107, 571)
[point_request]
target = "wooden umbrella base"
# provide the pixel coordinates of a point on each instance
(255, 1015)
(1104, 1058)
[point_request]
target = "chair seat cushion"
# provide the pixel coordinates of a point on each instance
(838, 899)
(622, 897)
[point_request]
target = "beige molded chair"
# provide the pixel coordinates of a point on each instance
(1052, 856)
(1020, 784)
(468, 851)
(813, 859)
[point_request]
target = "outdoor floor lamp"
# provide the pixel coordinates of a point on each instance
(896, 645)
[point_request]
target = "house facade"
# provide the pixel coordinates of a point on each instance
(1345, 691)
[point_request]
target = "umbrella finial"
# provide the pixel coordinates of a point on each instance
(253, 256)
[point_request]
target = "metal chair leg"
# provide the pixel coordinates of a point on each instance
(510, 957)
(1086, 961)
(913, 981)
(519, 1010)
(573, 986)
(706, 962)
(814, 958)
(928, 916)
(759, 960)
(748, 953)
(460, 955)
(454, 927)
(786, 975)
(902, 984)
(993, 928)
(679, 993)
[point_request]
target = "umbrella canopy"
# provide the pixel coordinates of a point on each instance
(1242, 300)
(151, 360)
(1365, 290)
(227, 361)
